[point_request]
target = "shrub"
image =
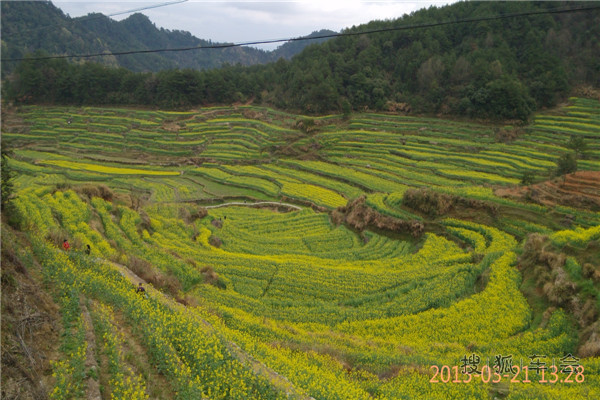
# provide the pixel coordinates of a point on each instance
(215, 241)
(90, 191)
(566, 164)
(145, 223)
(56, 236)
(200, 213)
(428, 202)
(506, 134)
(185, 214)
(140, 267)
(148, 273)
(306, 125)
(211, 277)
(578, 145)
(591, 347)
(527, 178)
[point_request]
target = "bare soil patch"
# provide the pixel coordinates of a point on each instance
(579, 190)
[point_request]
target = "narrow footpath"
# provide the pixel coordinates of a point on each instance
(278, 381)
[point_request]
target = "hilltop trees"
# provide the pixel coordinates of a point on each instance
(495, 69)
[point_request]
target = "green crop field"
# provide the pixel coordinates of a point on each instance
(277, 262)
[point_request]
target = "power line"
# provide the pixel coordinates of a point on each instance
(93, 17)
(332, 35)
(145, 8)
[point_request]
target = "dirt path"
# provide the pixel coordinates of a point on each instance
(278, 381)
(92, 391)
(258, 203)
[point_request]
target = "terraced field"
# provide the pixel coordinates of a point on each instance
(325, 301)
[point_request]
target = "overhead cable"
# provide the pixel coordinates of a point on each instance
(326, 36)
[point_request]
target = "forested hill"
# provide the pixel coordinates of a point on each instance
(29, 26)
(479, 65)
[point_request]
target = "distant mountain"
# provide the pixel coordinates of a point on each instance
(29, 26)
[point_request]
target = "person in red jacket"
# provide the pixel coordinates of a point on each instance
(66, 245)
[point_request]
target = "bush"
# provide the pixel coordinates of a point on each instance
(307, 125)
(56, 236)
(578, 145)
(506, 134)
(427, 201)
(90, 191)
(527, 178)
(185, 215)
(503, 98)
(566, 164)
(145, 223)
(211, 277)
(140, 267)
(148, 273)
(200, 213)
(215, 241)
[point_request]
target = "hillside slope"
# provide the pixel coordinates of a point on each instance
(288, 257)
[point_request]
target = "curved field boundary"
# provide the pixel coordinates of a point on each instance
(258, 203)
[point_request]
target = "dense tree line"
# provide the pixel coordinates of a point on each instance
(503, 69)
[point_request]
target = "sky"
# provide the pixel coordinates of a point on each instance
(245, 21)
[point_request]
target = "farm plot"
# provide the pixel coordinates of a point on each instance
(279, 302)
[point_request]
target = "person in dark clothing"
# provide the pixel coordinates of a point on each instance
(88, 250)
(140, 289)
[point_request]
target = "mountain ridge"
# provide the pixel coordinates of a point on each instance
(50, 30)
